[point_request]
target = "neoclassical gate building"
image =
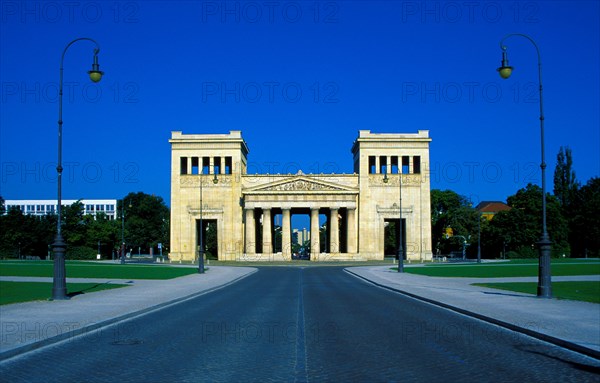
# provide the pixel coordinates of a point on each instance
(390, 170)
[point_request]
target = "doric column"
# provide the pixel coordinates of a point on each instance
(266, 232)
(250, 232)
(189, 165)
(286, 234)
(377, 168)
(200, 165)
(315, 245)
(334, 231)
(351, 230)
(388, 168)
(222, 165)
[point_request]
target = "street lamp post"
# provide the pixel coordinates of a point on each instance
(122, 257)
(59, 283)
(201, 231)
(123, 231)
(544, 288)
(478, 237)
(400, 239)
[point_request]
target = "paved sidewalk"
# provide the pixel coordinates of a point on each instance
(30, 325)
(572, 324)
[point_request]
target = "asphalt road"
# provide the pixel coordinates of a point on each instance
(310, 324)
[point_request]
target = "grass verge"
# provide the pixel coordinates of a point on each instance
(15, 292)
(503, 270)
(578, 291)
(93, 270)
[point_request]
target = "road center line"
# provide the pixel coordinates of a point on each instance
(300, 370)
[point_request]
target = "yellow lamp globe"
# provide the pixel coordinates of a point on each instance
(95, 75)
(505, 71)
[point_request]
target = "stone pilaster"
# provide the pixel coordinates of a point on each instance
(351, 231)
(250, 232)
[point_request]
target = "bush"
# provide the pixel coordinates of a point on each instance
(512, 255)
(8, 253)
(81, 252)
(527, 252)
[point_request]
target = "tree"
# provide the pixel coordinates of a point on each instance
(519, 229)
(451, 210)
(585, 225)
(103, 231)
(390, 246)
(146, 221)
(211, 244)
(565, 182)
(566, 189)
(73, 225)
(22, 234)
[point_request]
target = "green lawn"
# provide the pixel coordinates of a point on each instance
(14, 292)
(79, 269)
(580, 291)
(500, 270)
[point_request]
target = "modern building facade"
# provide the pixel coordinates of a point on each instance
(209, 184)
(49, 206)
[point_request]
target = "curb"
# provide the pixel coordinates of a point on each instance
(546, 338)
(109, 322)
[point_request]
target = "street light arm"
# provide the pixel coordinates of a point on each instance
(503, 47)
(96, 49)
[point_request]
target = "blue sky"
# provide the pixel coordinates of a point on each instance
(299, 78)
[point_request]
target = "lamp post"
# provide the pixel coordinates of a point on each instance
(544, 288)
(478, 237)
(123, 231)
(59, 283)
(201, 231)
(400, 239)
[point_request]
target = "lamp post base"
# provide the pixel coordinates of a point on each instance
(59, 282)
(544, 288)
(201, 263)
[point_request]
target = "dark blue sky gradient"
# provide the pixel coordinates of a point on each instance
(299, 78)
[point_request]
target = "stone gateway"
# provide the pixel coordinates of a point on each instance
(362, 210)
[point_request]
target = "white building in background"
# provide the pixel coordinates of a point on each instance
(49, 206)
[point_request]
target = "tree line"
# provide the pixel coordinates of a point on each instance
(145, 225)
(572, 219)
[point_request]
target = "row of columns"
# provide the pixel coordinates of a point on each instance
(211, 165)
(388, 167)
(286, 229)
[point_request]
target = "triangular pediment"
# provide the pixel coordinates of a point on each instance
(300, 184)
